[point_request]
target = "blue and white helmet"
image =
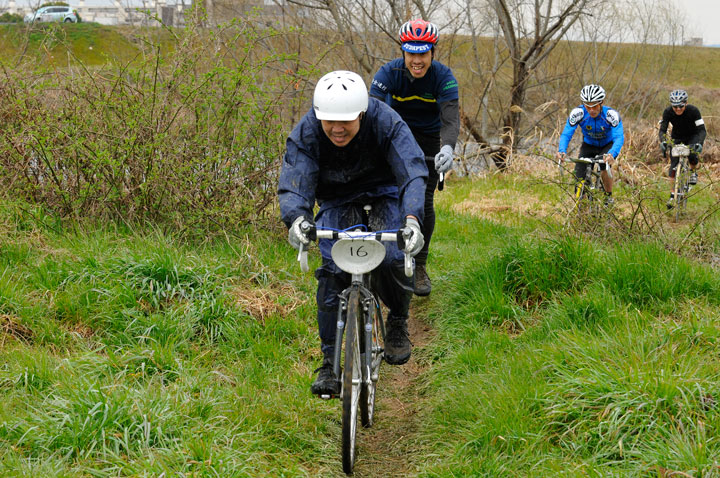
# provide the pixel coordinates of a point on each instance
(592, 94)
(678, 97)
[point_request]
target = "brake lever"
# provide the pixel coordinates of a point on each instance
(409, 266)
(303, 258)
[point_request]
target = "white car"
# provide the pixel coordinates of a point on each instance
(53, 13)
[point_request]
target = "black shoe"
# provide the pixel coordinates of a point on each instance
(397, 342)
(609, 201)
(693, 179)
(325, 383)
(422, 281)
(671, 202)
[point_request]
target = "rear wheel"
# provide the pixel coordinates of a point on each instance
(367, 391)
(352, 378)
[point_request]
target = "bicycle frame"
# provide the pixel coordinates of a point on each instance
(588, 187)
(682, 175)
(360, 322)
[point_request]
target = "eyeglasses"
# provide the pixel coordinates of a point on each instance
(679, 107)
(593, 105)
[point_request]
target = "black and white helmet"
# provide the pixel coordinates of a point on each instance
(678, 97)
(592, 94)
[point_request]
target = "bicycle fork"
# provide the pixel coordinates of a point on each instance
(364, 326)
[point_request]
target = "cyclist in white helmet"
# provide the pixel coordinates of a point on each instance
(688, 127)
(346, 152)
(602, 131)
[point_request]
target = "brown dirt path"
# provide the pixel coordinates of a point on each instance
(389, 448)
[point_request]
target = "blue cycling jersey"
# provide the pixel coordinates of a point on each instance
(606, 128)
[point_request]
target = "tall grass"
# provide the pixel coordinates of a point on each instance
(136, 352)
(561, 356)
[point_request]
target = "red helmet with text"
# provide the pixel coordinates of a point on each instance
(418, 36)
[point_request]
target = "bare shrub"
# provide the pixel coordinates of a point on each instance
(189, 133)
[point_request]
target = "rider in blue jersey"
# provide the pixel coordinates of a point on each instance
(425, 94)
(349, 151)
(602, 134)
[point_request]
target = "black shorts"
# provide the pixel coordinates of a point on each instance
(590, 151)
(693, 159)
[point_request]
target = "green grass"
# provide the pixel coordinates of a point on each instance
(67, 43)
(557, 353)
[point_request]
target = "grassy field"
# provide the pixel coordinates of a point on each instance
(549, 351)
(549, 347)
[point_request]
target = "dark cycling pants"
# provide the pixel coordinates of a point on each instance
(388, 280)
(590, 151)
(430, 144)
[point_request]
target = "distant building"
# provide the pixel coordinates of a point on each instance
(694, 41)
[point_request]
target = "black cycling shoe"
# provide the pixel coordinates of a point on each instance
(397, 342)
(671, 202)
(326, 382)
(692, 180)
(423, 286)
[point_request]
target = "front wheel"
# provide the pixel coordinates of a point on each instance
(681, 189)
(352, 378)
(367, 391)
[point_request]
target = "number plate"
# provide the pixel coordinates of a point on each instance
(358, 256)
(680, 150)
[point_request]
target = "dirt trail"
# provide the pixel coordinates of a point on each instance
(389, 448)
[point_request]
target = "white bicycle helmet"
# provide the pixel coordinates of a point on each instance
(340, 96)
(678, 97)
(592, 94)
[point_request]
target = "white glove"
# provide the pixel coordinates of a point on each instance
(444, 159)
(297, 234)
(414, 240)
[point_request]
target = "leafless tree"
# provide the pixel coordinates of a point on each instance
(369, 27)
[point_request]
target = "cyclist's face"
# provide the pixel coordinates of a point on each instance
(341, 132)
(418, 63)
(593, 109)
(679, 109)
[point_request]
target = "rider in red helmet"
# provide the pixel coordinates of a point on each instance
(425, 93)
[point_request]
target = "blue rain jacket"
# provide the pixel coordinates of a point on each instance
(383, 159)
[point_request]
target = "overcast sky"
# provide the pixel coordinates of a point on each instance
(703, 19)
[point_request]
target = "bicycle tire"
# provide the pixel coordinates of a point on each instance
(368, 390)
(681, 189)
(352, 378)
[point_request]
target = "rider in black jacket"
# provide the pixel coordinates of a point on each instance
(688, 128)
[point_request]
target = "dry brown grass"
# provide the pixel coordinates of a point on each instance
(11, 327)
(279, 299)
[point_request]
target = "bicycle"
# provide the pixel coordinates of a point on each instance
(682, 180)
(589, 190)
(358, 253)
